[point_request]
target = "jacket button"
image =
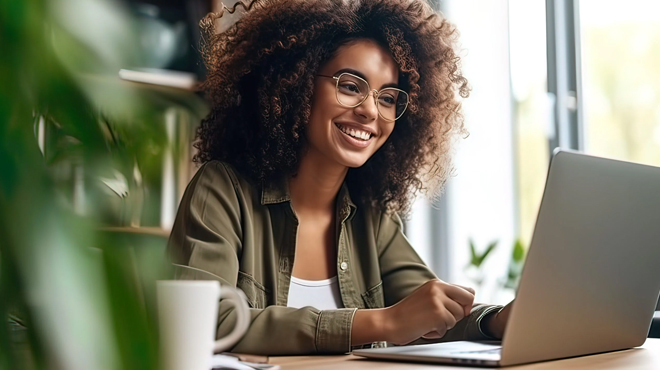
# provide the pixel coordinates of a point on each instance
(343, 266)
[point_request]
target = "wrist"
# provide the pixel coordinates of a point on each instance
(370, 325)
(488, 325)
(384, 324)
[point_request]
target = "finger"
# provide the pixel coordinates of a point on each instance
(460, 295)
(455, 309)
(466, 288)
(432, 335)
(467, 309)
(436, 334)
(448, 320)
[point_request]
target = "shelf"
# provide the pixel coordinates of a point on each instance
(159, 95)
(147, 231)
(161, 77)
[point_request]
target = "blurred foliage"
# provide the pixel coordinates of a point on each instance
(476, 258)
(474, 268)
(515, 266)
(475, 271)
(72, 297)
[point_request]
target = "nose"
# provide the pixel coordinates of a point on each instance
(368, 109)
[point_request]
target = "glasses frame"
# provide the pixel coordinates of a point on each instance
(366, 96)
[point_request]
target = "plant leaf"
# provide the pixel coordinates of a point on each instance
(518, 251)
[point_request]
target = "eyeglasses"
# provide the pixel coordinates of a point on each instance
(351, 91)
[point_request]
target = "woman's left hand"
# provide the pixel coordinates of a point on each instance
(495, 324)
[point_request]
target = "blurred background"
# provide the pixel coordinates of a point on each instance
(580, 74)
(98, 111)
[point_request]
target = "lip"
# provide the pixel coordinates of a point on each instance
(357, 126)
(353, 141)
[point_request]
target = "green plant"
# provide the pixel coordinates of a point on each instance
(474, 268)
(72, 297)
(476, 258)
(515, 265)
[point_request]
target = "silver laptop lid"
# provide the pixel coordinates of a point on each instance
(592, 276)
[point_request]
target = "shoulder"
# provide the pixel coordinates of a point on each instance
(218, 180)
(220, 174)
(389, 225)
(216, 170)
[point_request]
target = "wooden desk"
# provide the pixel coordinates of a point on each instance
(645, 357)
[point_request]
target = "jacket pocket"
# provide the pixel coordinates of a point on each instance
(255, 292)
(373, 297)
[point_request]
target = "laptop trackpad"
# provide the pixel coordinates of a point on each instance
(461, 349)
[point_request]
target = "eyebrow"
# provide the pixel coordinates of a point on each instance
(362, 76)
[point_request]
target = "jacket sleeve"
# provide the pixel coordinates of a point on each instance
(403, 271)
(206, 243)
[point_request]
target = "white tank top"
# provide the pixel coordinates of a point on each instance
(320, 294)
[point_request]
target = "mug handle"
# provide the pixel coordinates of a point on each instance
(237, 298)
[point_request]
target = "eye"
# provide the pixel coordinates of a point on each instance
(350, 88)
(387, 100)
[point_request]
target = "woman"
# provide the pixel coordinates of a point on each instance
(327, 117)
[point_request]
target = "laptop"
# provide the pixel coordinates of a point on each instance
(592, 275)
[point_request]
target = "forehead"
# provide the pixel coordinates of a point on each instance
(366, 56)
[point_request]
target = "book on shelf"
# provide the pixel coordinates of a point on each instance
(161, 77)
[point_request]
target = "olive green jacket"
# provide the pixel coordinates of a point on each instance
(240, 234)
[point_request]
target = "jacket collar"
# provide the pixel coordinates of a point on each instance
(277, 191)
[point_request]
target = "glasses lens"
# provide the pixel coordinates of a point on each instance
(392, 103)
(351, 90)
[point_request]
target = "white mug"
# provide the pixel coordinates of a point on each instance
(187, 317)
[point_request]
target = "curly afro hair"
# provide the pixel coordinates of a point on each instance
(261, 74)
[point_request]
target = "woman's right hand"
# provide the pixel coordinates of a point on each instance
(430, 311)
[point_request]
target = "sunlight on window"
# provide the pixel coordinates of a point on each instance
(531, 107)
(621, 78)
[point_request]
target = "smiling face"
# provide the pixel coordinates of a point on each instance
(343, 136)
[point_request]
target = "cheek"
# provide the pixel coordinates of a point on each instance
(322, 109)
(387, 130)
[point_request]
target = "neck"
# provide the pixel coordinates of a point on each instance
(316, 185)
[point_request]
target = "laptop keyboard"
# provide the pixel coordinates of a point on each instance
(493, 351)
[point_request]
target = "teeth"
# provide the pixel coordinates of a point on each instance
(363, 135)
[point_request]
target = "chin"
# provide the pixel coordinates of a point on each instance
(353, 162)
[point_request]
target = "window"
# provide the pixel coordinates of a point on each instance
(620, 47)
(545, 73)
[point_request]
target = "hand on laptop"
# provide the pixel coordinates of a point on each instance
(432, 309)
